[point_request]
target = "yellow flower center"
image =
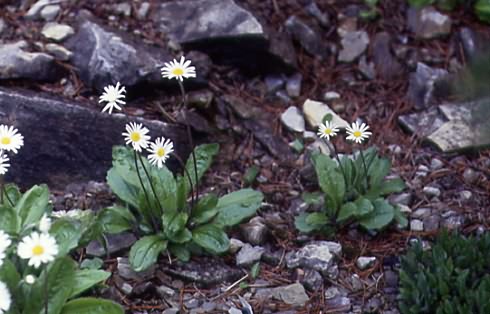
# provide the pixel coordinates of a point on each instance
(161, 152)
(327, 131)
(37, 250)
(6, 140)
(135, 137)
(178, 71)
(357, 134)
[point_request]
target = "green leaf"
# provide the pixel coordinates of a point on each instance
(237, 206)
(317, 219)
(392, 186)
(60, 277)
(94, 263)
(183, 236)
(86, 279)
(181, 194)
(144, 252)
(482, 10)
(92, 306)
(211, 238)
(328, 117)
(382, 216)
(347, 211)
(400, 217)
(9, 275)
(204, 157)
(250, 175)
(173, 222)
(315, 198)
(330, 180)
(13, 193)
(8, 220)
(255, 270)
(116, 219)
(126, 192)
(205, 209)
(67, 235)
(363, 207)
(420, 3)
(301, 224)
(349, 171)
(33, 204)
(179, 251)
(378, 170)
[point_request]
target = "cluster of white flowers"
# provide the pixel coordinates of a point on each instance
(356, 132)
(136, 134)
(76, 214)
(10, 141)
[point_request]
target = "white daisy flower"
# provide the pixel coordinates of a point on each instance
(4, 244)
(30, 279)
(114, 96)
(358, 133)
(136, 135)
(5, 298)
(160, 151)
(10, 139)
(44, 224)
(73, 214)
(4, 165)
(178, 70)
(38, 248)
(327, 130)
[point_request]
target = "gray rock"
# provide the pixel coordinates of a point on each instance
(436, 164)
(431, 191)
(293, 294)
(64, 151)
(472, 44)
(306, 36)
(416, 225)
(336, 299)
(225, 30)
(59, 52)
(104, 56)
(364, 262)
(142, 12)
(17, 63)
(57, 32)
(422, 213)
(424, 123)
(206, 271)
(50, 12)
(470, 176)
(235, 245)
(428, 22)
(331, 96)
(356, 283)
(293, 119)
(293, 85)
(455, 222)
(422, 85)
(274, 83)
(249, 255)
(353, 45)
(172, 310)
(115, 243)
(322, 17)
(125, 271)
(165, 292)
(255, 231)
(387, 66)
(432, 223)
(3, 25)
(208, 307)
(36, 8)
(123, 9)
(366, 68)
(318, 256)
(403, 198)
(312, 280)
(192, 303)
(314, 112)
(465, 195)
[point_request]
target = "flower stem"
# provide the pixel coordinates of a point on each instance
(2, 189)
(331, 146)
(151, 183)
(189, 135)
(46, 293)
(188, 177)
(365, 168)
(155, 226)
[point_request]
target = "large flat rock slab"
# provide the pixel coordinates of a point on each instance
(227, 32)
(66, 142)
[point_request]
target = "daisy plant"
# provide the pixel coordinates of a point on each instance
(10, 143)
(37, 274)
(354, 187)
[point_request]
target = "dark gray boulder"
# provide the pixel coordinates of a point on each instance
(65, 142)
(227, 32)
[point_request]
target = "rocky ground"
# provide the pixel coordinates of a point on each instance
(268, 71)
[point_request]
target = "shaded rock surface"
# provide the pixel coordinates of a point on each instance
(317, 255)
(104, 56)
(428, 22)
(293, 294)
(17, 63)
(115, 244)
(422, 84)
(65, 142)
(227, 32)
(353, 45)
(387, 66)
(307, 37)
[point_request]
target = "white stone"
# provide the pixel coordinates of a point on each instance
(431, 191)
(50, 12)
(57, 32)
(293, 119)
(36, 8)
(416, 225)
(314, 112)
(59, 52)
(364, 262)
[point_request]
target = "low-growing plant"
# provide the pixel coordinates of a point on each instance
(37, 274)
(452, 277)
(155, 202)
(354, 189)
(372, 12)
